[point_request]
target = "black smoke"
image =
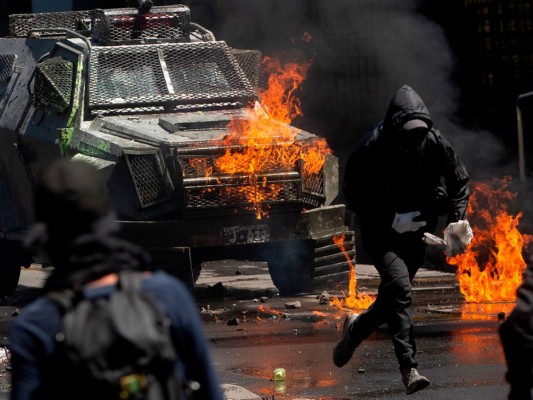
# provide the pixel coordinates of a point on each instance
(362, 52)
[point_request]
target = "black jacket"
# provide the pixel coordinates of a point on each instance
(516, 334)
(389, 172)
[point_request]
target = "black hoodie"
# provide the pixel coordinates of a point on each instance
(392, 171)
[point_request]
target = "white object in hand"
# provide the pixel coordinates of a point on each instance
(405, 222)
(435, 241)
(457, 236)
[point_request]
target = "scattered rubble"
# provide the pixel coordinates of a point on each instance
(208, 311)
(234, 392)
(292, 305)
(4, 355)
(324, 298)
(5, 370)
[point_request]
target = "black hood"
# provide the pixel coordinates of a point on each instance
(406, 105)
(77, 228)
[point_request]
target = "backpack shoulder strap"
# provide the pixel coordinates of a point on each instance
(130, 280)
(66, 299)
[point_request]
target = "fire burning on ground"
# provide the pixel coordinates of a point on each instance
(263, 143)
(264, 310)
(352, 299)
(492, 268)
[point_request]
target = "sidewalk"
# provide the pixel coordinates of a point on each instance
(251, 279)
(234, 279)
(242, 284)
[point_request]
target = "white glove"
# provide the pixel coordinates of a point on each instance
(405, 222)
(457, 236)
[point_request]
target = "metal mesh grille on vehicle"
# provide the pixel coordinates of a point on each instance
(7, 66)
(194, 166)
(250, 62)
(229, 196)
(168, 108)
(205, 186)
(52, 88)
(128, 26)
(313, 188)
(21, 24)
(187, 74)
(148, 178)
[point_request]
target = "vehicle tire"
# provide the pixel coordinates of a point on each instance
(13, 258)
(290, 265)
(9, 279)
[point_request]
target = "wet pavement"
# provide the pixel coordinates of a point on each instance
(252, 330)
(458, 346)
(461, 363)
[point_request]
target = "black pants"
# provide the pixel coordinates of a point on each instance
(397, 262)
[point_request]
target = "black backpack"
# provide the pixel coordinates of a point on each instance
(115, 347)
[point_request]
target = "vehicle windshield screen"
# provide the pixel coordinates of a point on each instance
(151, 75)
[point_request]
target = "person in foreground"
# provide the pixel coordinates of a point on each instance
(393, 184)
(516, 334)
(77, 229)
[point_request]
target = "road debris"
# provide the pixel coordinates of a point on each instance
(292, 305)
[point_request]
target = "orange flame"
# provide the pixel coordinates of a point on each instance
(265, 142)
(269, 311)
(492, 268)
(320, 314)
(352, 299)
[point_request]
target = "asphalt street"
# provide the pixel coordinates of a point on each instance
(458, 346)
(462, 361)
(252, 331)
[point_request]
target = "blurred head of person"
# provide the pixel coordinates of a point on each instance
(75, 225)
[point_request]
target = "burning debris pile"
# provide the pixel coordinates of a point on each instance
(492, 268)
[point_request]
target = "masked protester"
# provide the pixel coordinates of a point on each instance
(76, 227)
(516, 334)
(394, 183)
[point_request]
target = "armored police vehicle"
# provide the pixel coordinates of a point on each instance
(149, 98)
